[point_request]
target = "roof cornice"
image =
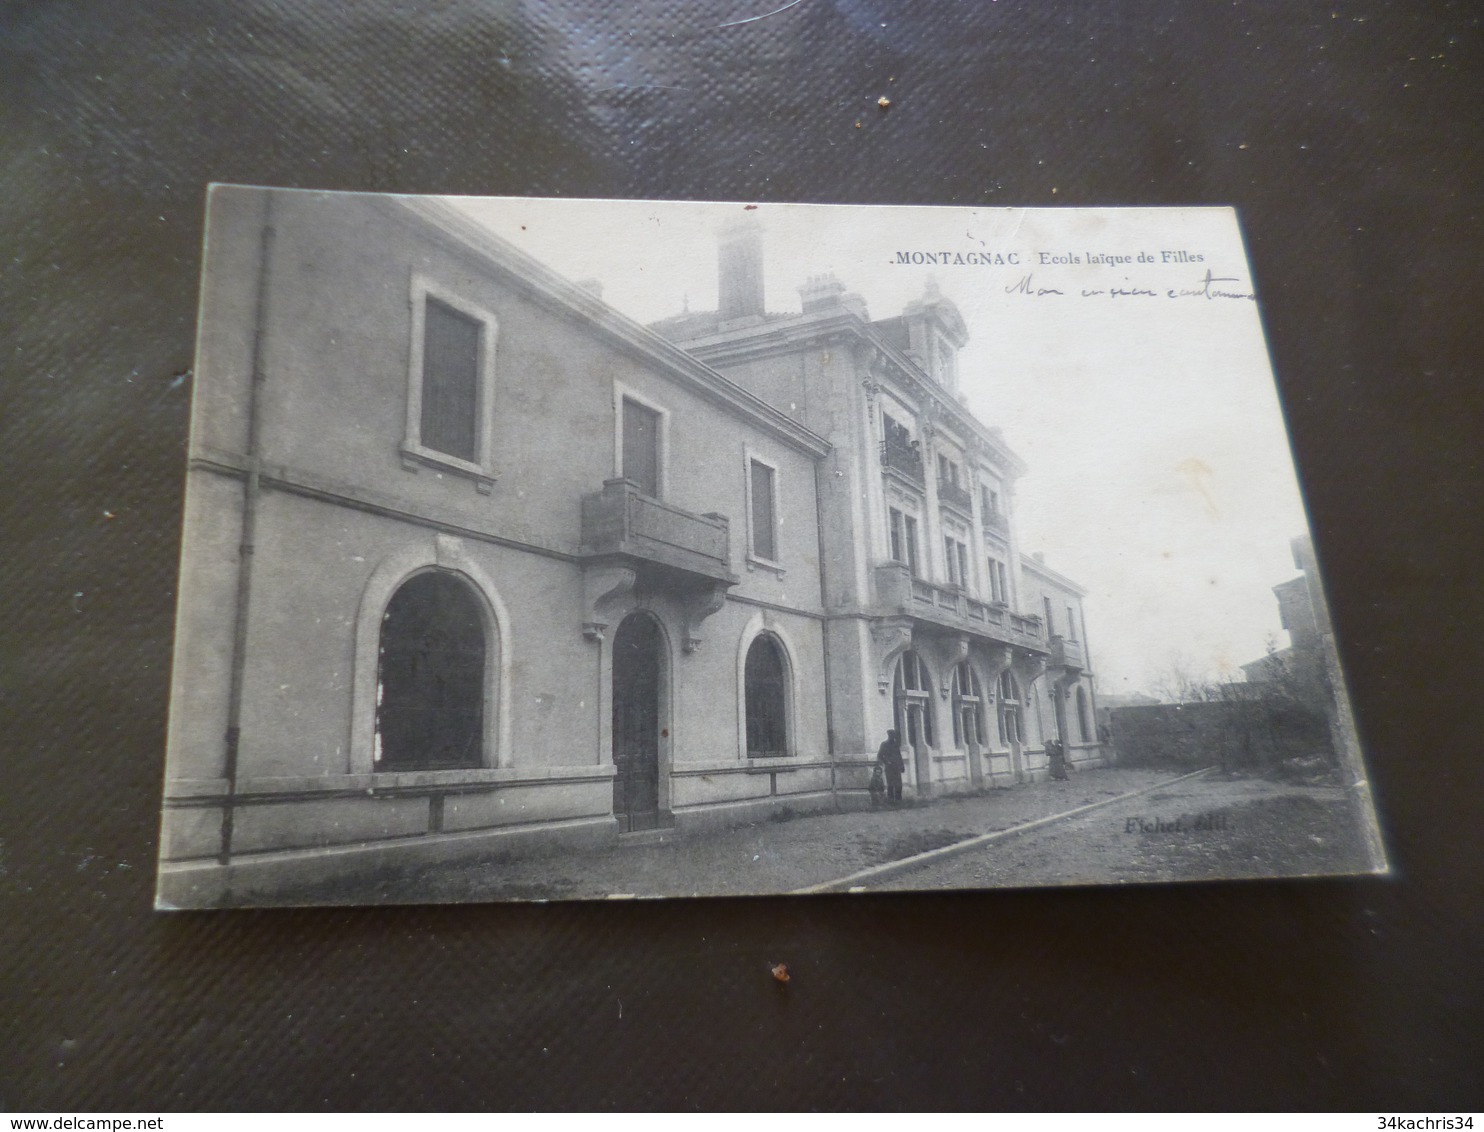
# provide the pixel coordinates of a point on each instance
(1035, 566)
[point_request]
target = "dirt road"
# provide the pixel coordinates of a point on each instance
(1251, 828)
(1198, 829)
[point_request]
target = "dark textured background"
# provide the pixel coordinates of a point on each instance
(1348, 135)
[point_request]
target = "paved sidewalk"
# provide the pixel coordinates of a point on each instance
(769, 857)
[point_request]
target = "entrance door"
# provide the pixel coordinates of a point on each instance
(915, 718)
(636, 723)
(1010, 723)
(967, 728)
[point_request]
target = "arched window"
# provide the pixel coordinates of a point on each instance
(430, 677)
(1084, 717)
(1011, 720)
(968, 718)
(767, 721)
(914, 701)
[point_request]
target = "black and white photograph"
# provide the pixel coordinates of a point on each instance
(486, 479)
(580, 549)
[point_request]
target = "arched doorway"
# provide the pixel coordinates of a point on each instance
(767, 704)
(1012, 722)
(968, 717)
(638, 660)
(914, 716)
(430, 676)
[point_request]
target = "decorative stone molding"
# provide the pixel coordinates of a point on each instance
(1067, 679)
(445, 552)
(893, 636)
(696, 607)
(997, 661)
(896, 493)
(604, 590)
(1029, 668)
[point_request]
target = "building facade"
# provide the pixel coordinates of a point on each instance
(472, 563)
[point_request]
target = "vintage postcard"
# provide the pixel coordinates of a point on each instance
(578, 549)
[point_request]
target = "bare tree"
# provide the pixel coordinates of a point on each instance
(1258, 723)
(1179, 681)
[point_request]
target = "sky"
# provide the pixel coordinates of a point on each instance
(1160, 477)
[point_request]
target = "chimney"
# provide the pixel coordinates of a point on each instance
(739, 263)
(821, 291)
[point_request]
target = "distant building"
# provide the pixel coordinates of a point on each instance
(473, 563)
(1303, 666)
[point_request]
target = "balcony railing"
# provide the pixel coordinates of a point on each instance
(620, 521)
(955, 495)
(951, 607)
(903, 458)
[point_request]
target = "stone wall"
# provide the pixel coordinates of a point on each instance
(1230, 734)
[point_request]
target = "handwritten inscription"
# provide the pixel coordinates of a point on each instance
(1206, 291)
(1025, 287)
(1118, 292)
(1208, 286)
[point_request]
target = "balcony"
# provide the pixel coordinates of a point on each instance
(955, 495)
(901, 456)
(621, 525)
(1066, 653)
(996, 521)
(949, 607)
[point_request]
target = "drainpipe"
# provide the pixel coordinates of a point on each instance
(829, 710)
(251, 489)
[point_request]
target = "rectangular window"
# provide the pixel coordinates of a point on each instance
(999, 581)
(990, 503)
(1050, 624)
(894, 433)
(641, 447)
(764, 522)
(1071, 623)
(904, 539)
(450, 384)
(450, 381)
(956, 556)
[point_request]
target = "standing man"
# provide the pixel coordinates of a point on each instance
(1057, 755)
(889, 756)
